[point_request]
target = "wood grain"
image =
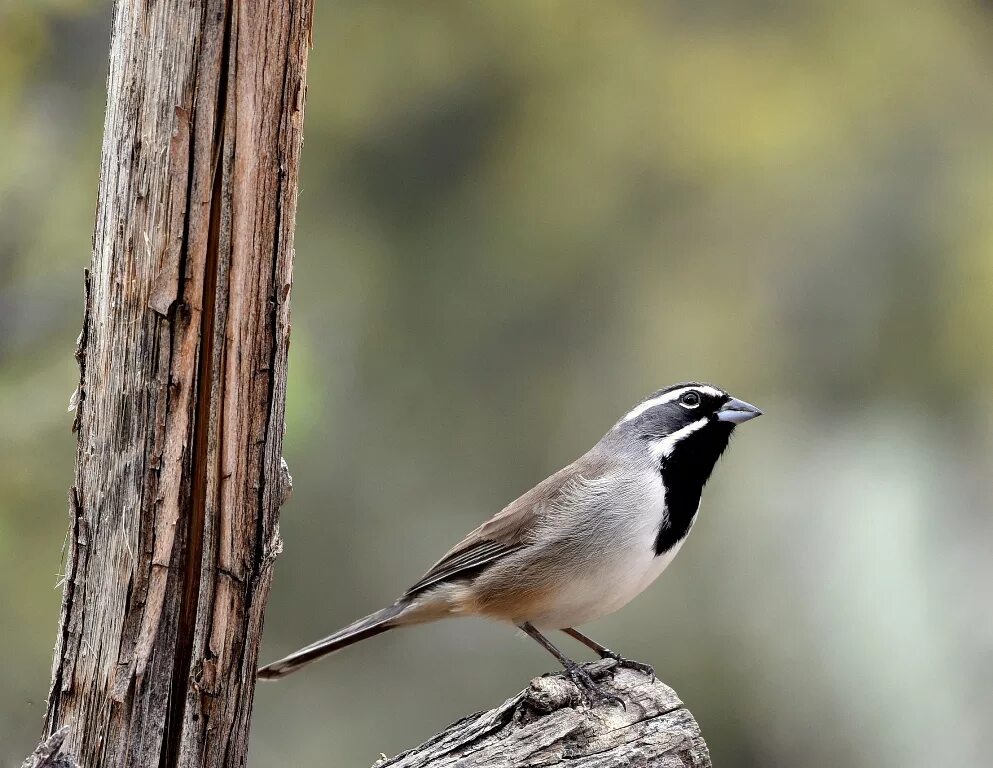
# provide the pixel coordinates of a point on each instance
(179, 410)
(548, 724)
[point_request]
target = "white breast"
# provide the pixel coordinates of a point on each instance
(628, 566)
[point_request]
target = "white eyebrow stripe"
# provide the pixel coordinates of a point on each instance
(664, 446)
(668, 397)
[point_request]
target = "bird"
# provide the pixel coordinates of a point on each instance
(579, 545)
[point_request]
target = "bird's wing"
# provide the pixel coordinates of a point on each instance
(462, 563)
(509, 530)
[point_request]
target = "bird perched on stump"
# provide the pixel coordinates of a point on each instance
(580, 544)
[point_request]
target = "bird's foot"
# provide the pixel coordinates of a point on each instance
(639, 666)
(593, 693)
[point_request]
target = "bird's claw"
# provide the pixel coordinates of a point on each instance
(592, 692)
(639, 666)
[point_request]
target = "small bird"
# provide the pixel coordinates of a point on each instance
(580, 544)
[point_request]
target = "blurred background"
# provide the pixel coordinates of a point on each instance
(516, 219)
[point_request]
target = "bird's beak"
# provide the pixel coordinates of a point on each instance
(737, 411)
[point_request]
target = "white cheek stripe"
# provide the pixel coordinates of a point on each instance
(668, 397)
(663, 446)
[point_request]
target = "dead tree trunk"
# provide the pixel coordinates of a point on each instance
(548, 725)
(179, 410)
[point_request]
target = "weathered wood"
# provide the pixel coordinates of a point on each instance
(49, 752)
(179, 409)
(548, 724)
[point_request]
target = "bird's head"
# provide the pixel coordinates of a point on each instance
(694, 419)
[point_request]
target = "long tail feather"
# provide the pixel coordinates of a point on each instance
(373, 624)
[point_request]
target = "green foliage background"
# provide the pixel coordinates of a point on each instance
(516, 218)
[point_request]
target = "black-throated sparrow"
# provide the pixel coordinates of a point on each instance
(581, 543)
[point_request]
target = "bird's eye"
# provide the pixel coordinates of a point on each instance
(690, 399)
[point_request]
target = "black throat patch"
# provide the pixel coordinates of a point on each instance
(684, 473)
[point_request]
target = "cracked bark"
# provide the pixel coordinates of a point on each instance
(179, 408)
(548, 725)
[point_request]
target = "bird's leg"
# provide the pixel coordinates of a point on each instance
(594, 694)
(605, 653)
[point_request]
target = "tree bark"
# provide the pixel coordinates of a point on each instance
(179, 409)
(548, 725)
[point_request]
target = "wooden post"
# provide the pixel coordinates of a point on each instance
(548, 725)
(179, 410)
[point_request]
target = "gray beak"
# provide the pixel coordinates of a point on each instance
(737, 411)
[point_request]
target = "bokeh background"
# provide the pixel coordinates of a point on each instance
(516, 218)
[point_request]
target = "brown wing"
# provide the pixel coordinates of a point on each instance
(507, 531)
(461, 563)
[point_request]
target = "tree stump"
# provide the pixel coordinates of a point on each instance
(548, 724)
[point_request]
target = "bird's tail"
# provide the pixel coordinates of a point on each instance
(373, 624)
